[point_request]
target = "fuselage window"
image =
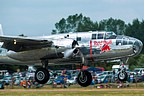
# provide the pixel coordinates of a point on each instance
(94, 36)
(100, 36)
(118, 42)
(130, 42)
(124, 42)
(0, 51)
(78, 38)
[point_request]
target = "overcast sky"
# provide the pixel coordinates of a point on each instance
(38, 17)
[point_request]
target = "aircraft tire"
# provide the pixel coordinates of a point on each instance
(84, 80)
(122, 76)
(42, 75)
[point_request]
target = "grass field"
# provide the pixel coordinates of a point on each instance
(74, 91)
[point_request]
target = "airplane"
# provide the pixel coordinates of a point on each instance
(69, 48)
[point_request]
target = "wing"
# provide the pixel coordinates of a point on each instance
(18, 43)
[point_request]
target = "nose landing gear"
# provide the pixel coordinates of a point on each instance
(122, 75)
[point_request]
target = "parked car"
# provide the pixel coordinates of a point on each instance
(1, 85)
(136, 78)
(139, 71)
(7, 79)
(104, 79)
(106, 73)
(71, 81)
(2, 78)
(50, 81)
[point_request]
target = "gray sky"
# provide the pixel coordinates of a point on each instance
(38, 17)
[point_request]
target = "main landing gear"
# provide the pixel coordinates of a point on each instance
(84, 78)
(122, 75)
(42, 75)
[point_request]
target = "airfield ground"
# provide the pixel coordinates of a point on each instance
(75, 91)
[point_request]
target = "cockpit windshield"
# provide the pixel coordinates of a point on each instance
(110, 35)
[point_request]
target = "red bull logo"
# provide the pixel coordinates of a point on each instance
(104, 45)
(100, 43)
(105, 48)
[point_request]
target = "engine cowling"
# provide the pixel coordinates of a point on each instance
(70, 53)
(68, 46)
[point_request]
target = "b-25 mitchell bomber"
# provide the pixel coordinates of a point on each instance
(69, 48)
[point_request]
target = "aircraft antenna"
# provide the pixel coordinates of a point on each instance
(76, 35)
(1, 31)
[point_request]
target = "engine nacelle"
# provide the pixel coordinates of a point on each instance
(70, 52)
(68, 46)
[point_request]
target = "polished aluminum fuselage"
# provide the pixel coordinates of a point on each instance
(93, 49)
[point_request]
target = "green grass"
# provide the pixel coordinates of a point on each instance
(97, 92)
(133, 90)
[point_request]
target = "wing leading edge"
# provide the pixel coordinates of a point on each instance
(17, 43)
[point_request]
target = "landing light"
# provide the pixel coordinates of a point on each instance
(15, 42)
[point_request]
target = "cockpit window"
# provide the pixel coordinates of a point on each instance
(100, 35)
(110, 35)
(94, 36)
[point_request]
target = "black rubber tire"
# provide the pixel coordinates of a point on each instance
(86, 81)
(124, 78)
(42, 75)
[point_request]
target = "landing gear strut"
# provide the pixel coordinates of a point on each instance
(42, 75)
(122, 75)
(84, 77)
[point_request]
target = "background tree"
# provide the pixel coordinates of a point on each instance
(87, 25)
(141, 60)
(136, 30)
(116, 25)
(80, 23)
(74, 23)
(54, 32)
(61, 26)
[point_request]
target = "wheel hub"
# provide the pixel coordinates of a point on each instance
(40, 75)
(83, 78)
(121, 75)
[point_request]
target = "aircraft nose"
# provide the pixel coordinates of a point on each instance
(138, 45)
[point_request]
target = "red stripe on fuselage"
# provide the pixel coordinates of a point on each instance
(91, 56)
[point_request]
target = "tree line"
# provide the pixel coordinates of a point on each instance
(80, 23)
